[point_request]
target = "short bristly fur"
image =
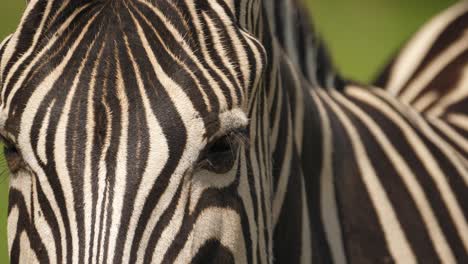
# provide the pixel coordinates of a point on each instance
(218, 131)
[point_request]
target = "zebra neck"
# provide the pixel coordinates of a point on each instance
(297, 136)
(287, 24)
(298, 65)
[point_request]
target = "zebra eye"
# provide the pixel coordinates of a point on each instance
(12, 155)
(220, 155)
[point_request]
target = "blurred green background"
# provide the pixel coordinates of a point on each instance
(361, 35)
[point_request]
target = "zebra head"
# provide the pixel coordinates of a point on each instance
(134, 132)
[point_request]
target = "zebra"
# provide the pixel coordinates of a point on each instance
(219, 131)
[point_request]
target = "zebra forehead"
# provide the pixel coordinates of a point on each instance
(141, 56)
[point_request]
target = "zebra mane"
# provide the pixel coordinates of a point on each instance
(290, 25)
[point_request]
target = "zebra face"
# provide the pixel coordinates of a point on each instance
(131, 133)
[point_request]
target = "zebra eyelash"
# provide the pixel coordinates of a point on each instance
(236, 137)
(230, 141)
(239, 136)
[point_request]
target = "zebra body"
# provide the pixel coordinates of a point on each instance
(217, 131)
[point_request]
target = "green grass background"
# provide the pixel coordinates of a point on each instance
(361, 35)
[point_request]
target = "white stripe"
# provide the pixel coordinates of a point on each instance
(278, 108)
(211, 223)
(24, 140)
(216, 88)
(255, 166)
(42, 226)
(285, 172)
(182, 41)
(435, 66)
(426, 157)
(2, 58)
(103, 191)
(456, 95)
(397, 242)
(306, 241)
(329, 207)
(26, 254)
(51, 78)
(13, 218)
(406, 174)
(120, 182)
(411, 56)
(259, 63)
(37, 34)
(204, 179)
(13, 43)
(244, 192)
(458, 120)
(172, 228)
(426, 100)
(41, 144)
(61, 158)
(289, 12)
(88, 174)
(298, 107)
(219, 49)
(453, 135)
(158, 154)
(236, 43)
(194, 128)
(274, 78)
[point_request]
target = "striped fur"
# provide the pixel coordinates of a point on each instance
(111, 109)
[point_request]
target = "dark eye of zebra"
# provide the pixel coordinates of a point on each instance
(12, 155)
(220, 155)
